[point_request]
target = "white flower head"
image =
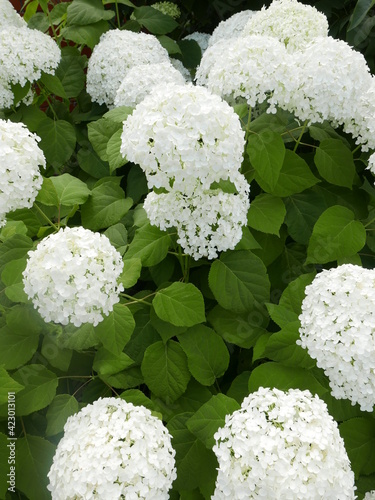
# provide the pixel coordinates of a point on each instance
(202, 39)
(181, 134)
(20, 160)
(362, 122)
(140, 80)
(282, 445)
(111, 59)
(207, 222)
(9, 16)
(329, 78)
(112, 449)
(167, 8)
(20, 62)
(338, 330)
(72, 276)
(252, 68)
(291, 22)
(231, 27)
(177, 64)
(370, 495)
(371, 164)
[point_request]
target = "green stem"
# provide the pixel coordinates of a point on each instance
(117, 14)
(56, 228)
(356, 149)
(300, 136)
(369, 223)
(134, 300)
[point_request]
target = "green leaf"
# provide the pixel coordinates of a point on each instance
(155, 21)
(137, 398)
(335, 235)
(119, 114)
(303, 210)
(281, 315)
(284, 378)
(335, 163)
(100, 132)
(295, 176)
(92, 164)
(116, 329)
(40, 388)
(62, 407)
(165, 330)
(181, 304)
(83, 12)
(239, 329)
(118, 236)
(165, 370)
(86, 35)
(131, 272)
(210, 416)
(15, 247)
(63, 190)
(7, 385)
(58, 140)
(196, 466)
(4, 466)
(266, 214)
(12, 278)
(266, 151)
(359, 13)
(57, 357)
(294, 293)
(239, 281)
(191, 53)
(19, 338)
(114, 156)
(106, 363)
(282, 347)
(207, 354)
(359, 439)
(34, 457)
(106, 206)
(53, 85)
(77, 338)
(70, 72)
(169, 44)
(143, 336)
(238, 389)
(150, 244)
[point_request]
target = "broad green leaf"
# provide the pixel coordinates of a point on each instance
(62, 407)
(34, 458)
(83, 12)
(63, 190)
(210, 416)
(266, 151)
(359, 439)
(30, 9)
(4, 465)
(58, 13)
(12, 278)
(239, 281)
(124, 2)
(341, 409)
(207, 354)
(86, 35)
(165, 330)
(322, 131)
(58, 140)
(335, 163)
(284, 378)
(90, 162)
(114, 156)
(239, 329)
(282, 347)
(266, 214)
(137, 398)
(143, 336)
(116, 329)
(294, 293)
(77, 338)
(359, 13)
(100, 132)
(238, 389)
(247, 242)
(181, 304)
(336, 235)
(131, 272)
(302, 211)
(165, 370)
(281, 315)
(169, 44)
(127, 379)
(55, 355)
(191, 53)
(106, 206)
(106, 363)
(39, 388)
(150, 244)
(271, 246)
(196, 466)
(155, 21)
(15, 247)
(295, 176)
(7, 385)
(119, 114)
(118, 236)
(53, 84)
(70, 72)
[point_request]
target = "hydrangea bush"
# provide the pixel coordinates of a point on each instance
(187, 250)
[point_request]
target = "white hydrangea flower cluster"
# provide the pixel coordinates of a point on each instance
(112, 449)
(370, 495)
(329, 78)
(72, 276)
(177, 64)
(207, 222)
(338, 330)
(186, 139)
(9, 16)
(253, 68)
(20, 62)
(140, 80)
(20, 159)
(231, 27)
(106, 70)
(300, 23)
(282, 445)
(202, 39)
(371, 163)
